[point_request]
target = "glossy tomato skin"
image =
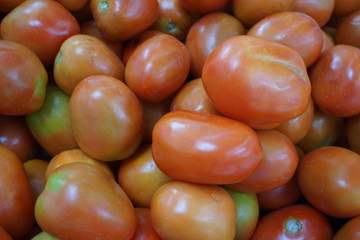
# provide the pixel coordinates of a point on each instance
(278, 164)
(81, 56)
(242, 67)
(203, 6)
(187, 211)
(104, 212)
(51, 125)
(157, 68)
(35, 171)
(17, 200)
(24, 79)
(294, 29)
(206, 34)
(106, 117)
(122, 20)
(139, 177)
(294, 222)
(53, 25)
(338, 181)
(144, 228)
(348, 32)
(218, 150)
(350, 230)
(335, 81)
(319, 10)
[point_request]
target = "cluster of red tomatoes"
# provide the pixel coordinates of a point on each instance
(179, 119)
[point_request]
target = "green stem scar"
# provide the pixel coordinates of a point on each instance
(293, 226)
(104, 5)
(171, 27)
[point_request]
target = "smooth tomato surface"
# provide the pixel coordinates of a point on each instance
(35, 171)
(144, 228)
(350, 230)
(203, 6)
(319, 10)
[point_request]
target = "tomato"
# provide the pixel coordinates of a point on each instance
(72, 5)
(242, 67)
(345, 7)
(206, 34)
(35, 171)
(335, 81)
(294, 222)
(352, 132)
(325, 130)
(247, 213)
(319, 10)
(7, 5)
(278, 164)
(23, 79)
(219, 150)
(15, 134)
(74, 155)
(174, 19)
(81, 56)
(350, 230)
(4, 235)
(51, 125)
(294, 29)
(186, 211)
(43, 236)
(106, 117)
(122, 20)
(140, 177)
(328, 41)
(90, 204)
(336, 190)
(16, 198)
(41, 25)
(203, 6)
(348, 32)
(157, 68)
(251, 11)
(144, 229)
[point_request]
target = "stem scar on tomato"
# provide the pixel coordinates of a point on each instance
(292, 226)
(103, 6)
(58, 58)
(171, 27)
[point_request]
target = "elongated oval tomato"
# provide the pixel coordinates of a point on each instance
(205, 148)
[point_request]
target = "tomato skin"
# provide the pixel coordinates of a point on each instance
(43, 236)
(218, 150)
(206, 34)
(81, 56)
(105, 211)
(4, 235)
(294, 222)
(23, 79)
(243, 66)
(319, 10)
(335, 81)
(345, 7)
(203, 6)
(7, 5)
(352, 133)
(72, 5)
(17, 200)
(51, 125)
(54, 24)
(189, 211)
(35, 171)
(107, 118)
(328, 41)
(144, 229)
(350, 230)
(122, 20)
(348, 32)
(339, 177)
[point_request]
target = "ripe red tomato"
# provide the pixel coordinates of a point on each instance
(181, 210)
(319, 10)
(345, 7)
(144, 228)
(203, 6)
(35, 171)
(348, 32)
(7, 5)
(74, 5)
(350, 230)
(205, 148)
(242, 67)
(4, 235)
(41, 25)
(294, 222)
(353, 132)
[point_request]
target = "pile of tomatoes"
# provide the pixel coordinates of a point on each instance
(179, 119)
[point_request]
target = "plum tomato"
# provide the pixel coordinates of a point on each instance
(350, 230)
(144, 228)
(348, 32)
(205, 148)
(74, 5)
(242, 67)
(319, 10)
(345, 7)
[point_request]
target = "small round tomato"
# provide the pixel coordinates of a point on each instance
(23, 79)
(348, 32)
(122, 20)
(319, 10)
(35, 170)
(181, 210)
(350, 230)
(206, 34)
(326, 175)
(157, 68)
(353, 132)
(242, 67)
(144, 228)
(205, 148)
(292, 223)
(41, 25)
(106, 117)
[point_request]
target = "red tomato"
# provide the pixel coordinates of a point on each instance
(206, 34)
(353, 133)
(74, 5)
(41, 25)
(337, 189)
(157, 68)
(203, 6)
(35, 170)
(190, 211)
(294, 222)
(16, 198)
(107, 118)
(7, 5)
(277, 167)
(328, 41)
(319, 10)
(90, 204)
(144, 229)
(4, 235)
(348, 32)
(23, 79)
(350, 230)
(335, 81)
(345, 7)
(205, 148)
(122, 20)
(242, 67)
